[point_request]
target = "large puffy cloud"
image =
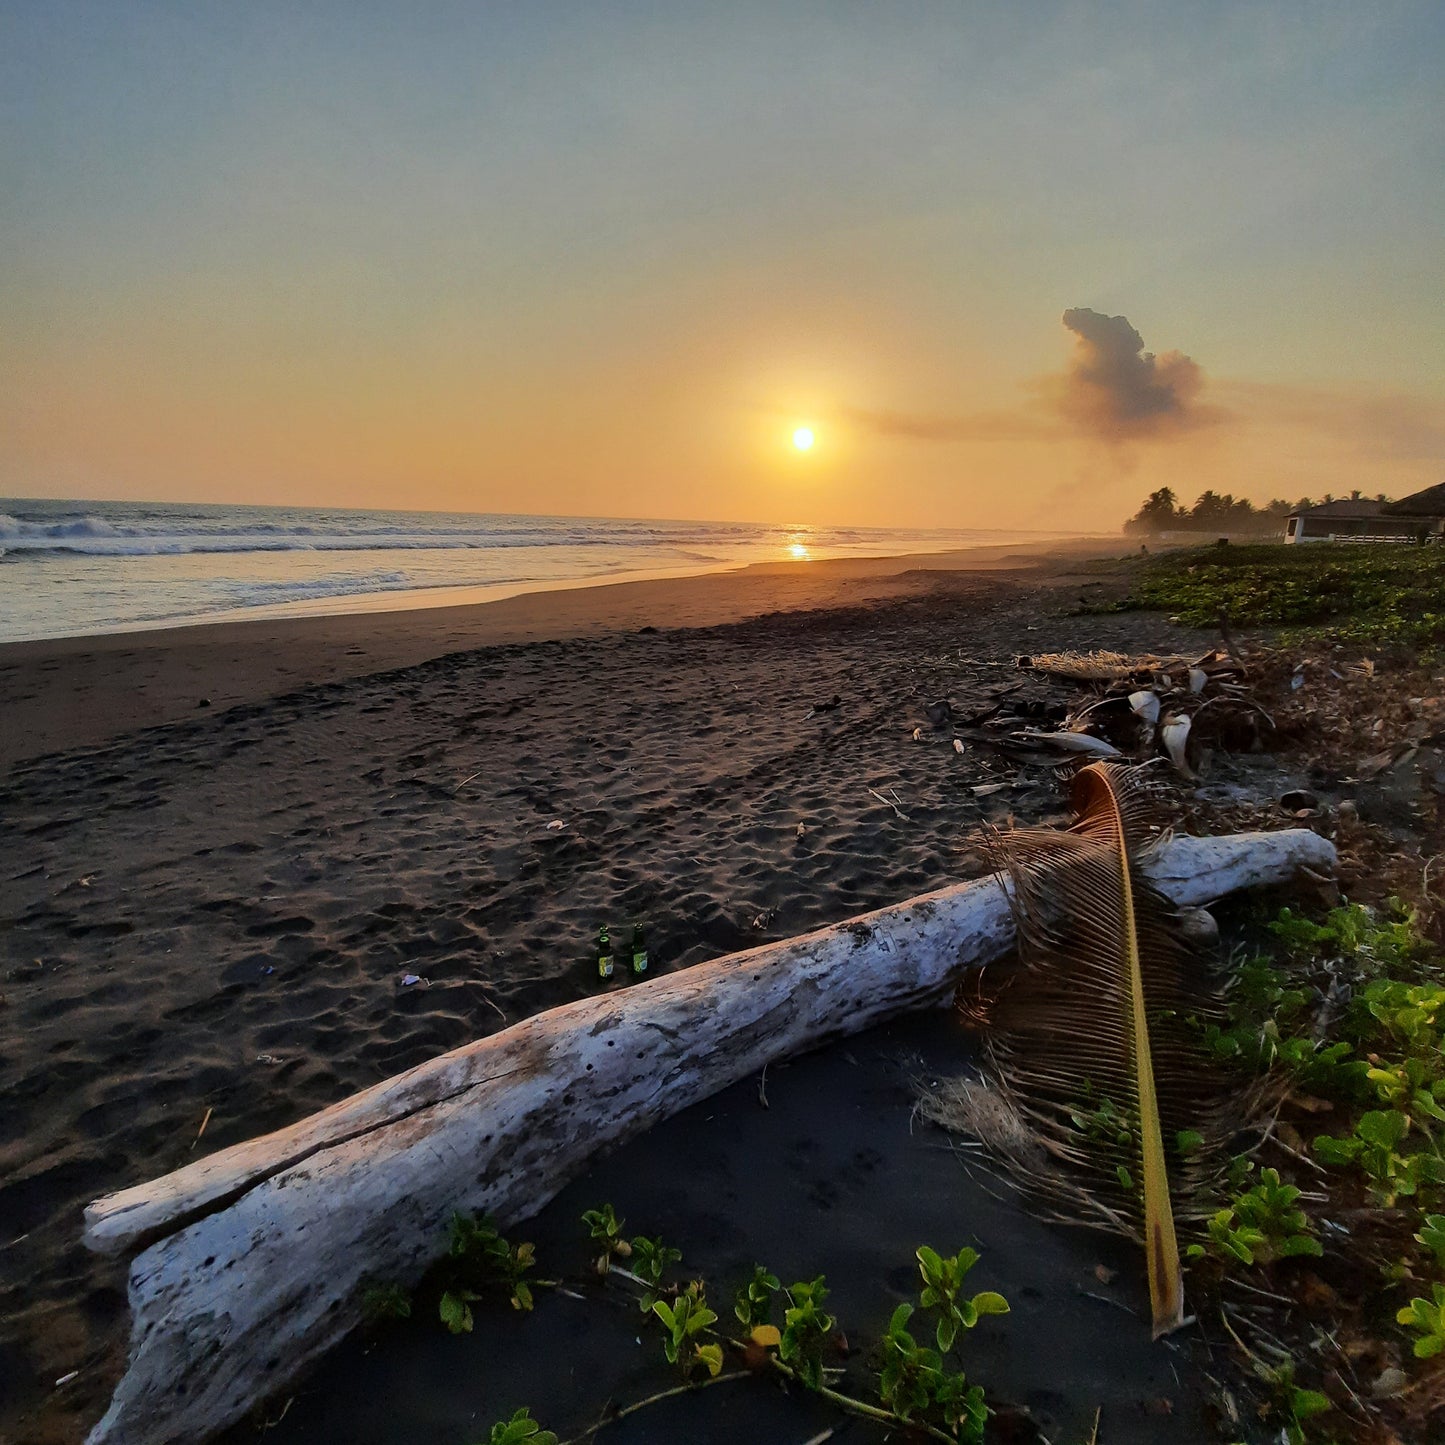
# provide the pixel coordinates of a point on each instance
(1113, 391)
(1117, 391)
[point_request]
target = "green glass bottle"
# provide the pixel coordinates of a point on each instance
(639, 949)
(604, 953)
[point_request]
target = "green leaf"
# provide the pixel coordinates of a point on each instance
(456, 1313)
(1306, 1403)
(1187, 1141)
(1336, 1151)
(1384, 1128)
(521, 1429)
(990, 1303)
(712, 1357)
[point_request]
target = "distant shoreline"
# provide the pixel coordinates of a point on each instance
(75, 568)
(80, 691)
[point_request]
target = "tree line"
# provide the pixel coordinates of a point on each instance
(1216, 511)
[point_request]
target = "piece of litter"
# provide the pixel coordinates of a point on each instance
(1145, 703)
(1069, 742)
(987, 790)
(66, 1379)
(958, 746)
(266, 970)
(918, 735)
(802, 828)
(1389, 1383)
(408, 979)
(267, 1059)
(555, 824)
(1174, 734)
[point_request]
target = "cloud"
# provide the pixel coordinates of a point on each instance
(1116, 391)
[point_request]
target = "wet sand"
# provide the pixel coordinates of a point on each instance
(214, 911)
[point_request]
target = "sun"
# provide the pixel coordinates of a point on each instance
(803, 438)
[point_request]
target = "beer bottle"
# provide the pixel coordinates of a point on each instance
(639, 949)
(604, 953)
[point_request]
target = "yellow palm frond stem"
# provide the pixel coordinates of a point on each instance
(1090, 1040)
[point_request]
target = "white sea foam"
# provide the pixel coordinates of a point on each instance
(70, 568)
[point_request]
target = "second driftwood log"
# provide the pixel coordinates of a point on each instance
(255, 1259)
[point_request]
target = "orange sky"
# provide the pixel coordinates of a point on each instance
(558, 261)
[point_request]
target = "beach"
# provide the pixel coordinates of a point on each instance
(229, 846)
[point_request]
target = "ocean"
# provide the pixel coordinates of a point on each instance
(73, 568)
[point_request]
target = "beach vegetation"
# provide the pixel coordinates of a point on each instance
(1260, 1225)
(806, 1328)
(916, 1388)
(478, 1258)
(381, 1302)
(1380, 596)
(1424, 1319)
(754, 1306)
(1377, 1146)
(1345, 1011)
(521, 1429)
(604, 1228)
(685, 1323)
(916, 1384)
(943, 1292)
(1432, 1236)
(651, 1259)
(1288, 1404)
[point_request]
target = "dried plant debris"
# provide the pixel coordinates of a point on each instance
(1097, 666)
(1316, 1262)
(970, 1108)
(1143, 707)
(1096, 1066)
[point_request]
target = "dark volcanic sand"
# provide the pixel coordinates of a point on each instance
(831, 1176)
(216, 915)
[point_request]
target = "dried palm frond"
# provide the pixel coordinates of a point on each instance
(1090, 1043)
(1100, 666)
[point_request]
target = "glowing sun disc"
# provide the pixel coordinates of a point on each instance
(803, 438)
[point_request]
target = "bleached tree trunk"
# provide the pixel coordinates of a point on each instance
(255, 1257)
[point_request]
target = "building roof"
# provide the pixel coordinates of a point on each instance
(1348, 507)
(1429, 503)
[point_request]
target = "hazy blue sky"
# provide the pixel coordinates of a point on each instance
(603, 258)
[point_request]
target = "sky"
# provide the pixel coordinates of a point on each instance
(1015, 266)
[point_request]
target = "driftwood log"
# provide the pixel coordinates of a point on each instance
(253, 1260)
